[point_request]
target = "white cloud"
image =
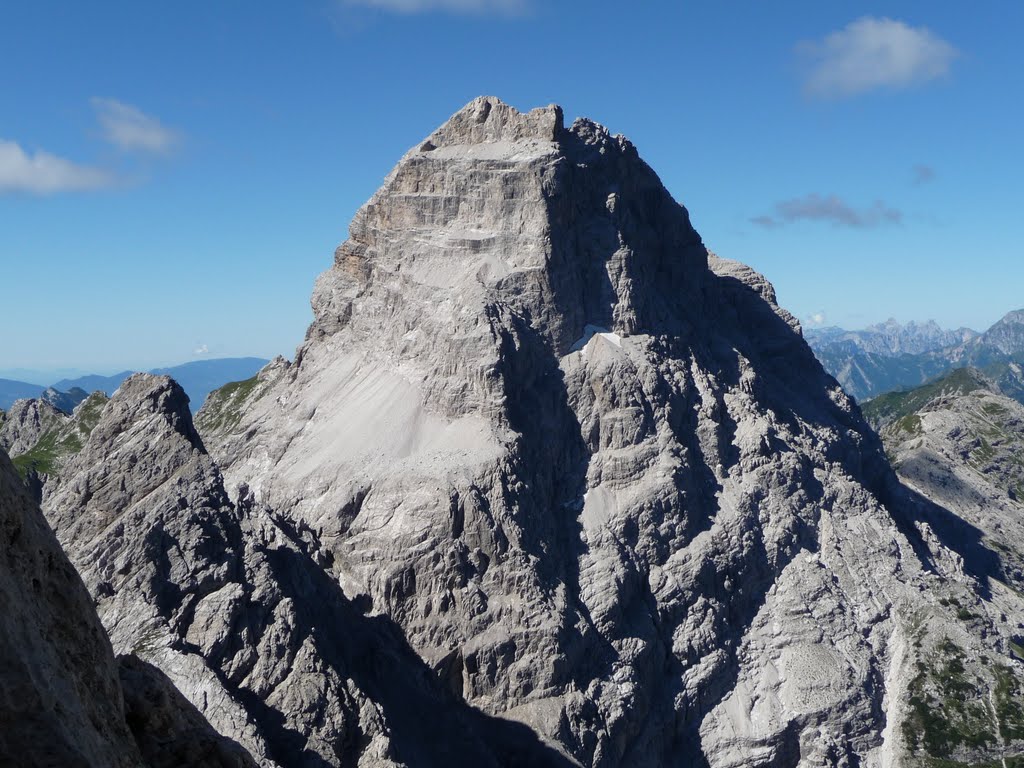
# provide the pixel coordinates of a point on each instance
(830, 208)
(202, 349)
(455, 6)
(817, 318)
(130, 129)
(872, 53)
(42, 173)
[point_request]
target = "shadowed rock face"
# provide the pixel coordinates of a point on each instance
(142, 513)
(60, 699)
(64, 699)
(596, 480)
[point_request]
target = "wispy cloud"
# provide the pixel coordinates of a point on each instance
(202, 349)
(42, 173)
(817, 319)
(768, 222)
(509, 7)
(130, 129)
(872, 53)
(831, 209)
(923, 174)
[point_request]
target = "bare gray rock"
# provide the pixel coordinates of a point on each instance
(546, 484)
(169, 731)
(26, 422)
(40, 438)
(230, 604)
(64, 401)
(60, 698)
(595, 477)
(141, 513)
(64, 700)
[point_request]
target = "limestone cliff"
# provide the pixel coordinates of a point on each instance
(597, 480)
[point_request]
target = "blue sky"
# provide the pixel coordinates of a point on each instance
(172, 181)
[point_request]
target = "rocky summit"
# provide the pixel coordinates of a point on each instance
(547, 483)
(593, 475)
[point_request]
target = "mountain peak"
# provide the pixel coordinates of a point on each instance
(566, 228)
(488, 120)
(154, 402)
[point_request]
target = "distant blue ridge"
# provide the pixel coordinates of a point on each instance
(198, 379)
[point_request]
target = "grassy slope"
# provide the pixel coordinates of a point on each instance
(59, 443)
(894, 406)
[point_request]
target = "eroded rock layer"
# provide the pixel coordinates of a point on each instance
(596, 479)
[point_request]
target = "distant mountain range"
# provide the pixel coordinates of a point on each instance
(198, 379)
(891, 338)
(16, 390)
(890, 356)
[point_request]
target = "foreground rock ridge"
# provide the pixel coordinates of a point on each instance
(231, 603)
(546, 484)
(60, 699)
(64, 698)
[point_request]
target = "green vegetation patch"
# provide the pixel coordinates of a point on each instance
(910, 424)
(223, 407)
(88, 413)
(893, 406)
(994, 409)
(965, 615)
(951, 709)
(947, 708)
(44, 455)
(984, 452)
(61, 442)
(1009, 762)
(1017, 649)
(1009, 711)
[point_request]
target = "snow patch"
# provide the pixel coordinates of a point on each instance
(589, 332)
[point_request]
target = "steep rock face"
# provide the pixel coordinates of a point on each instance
(141, 512)
(1006, 335)
(600, 487)
(26, 422)
(60, 698)
(227, 604)
(64, 700)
